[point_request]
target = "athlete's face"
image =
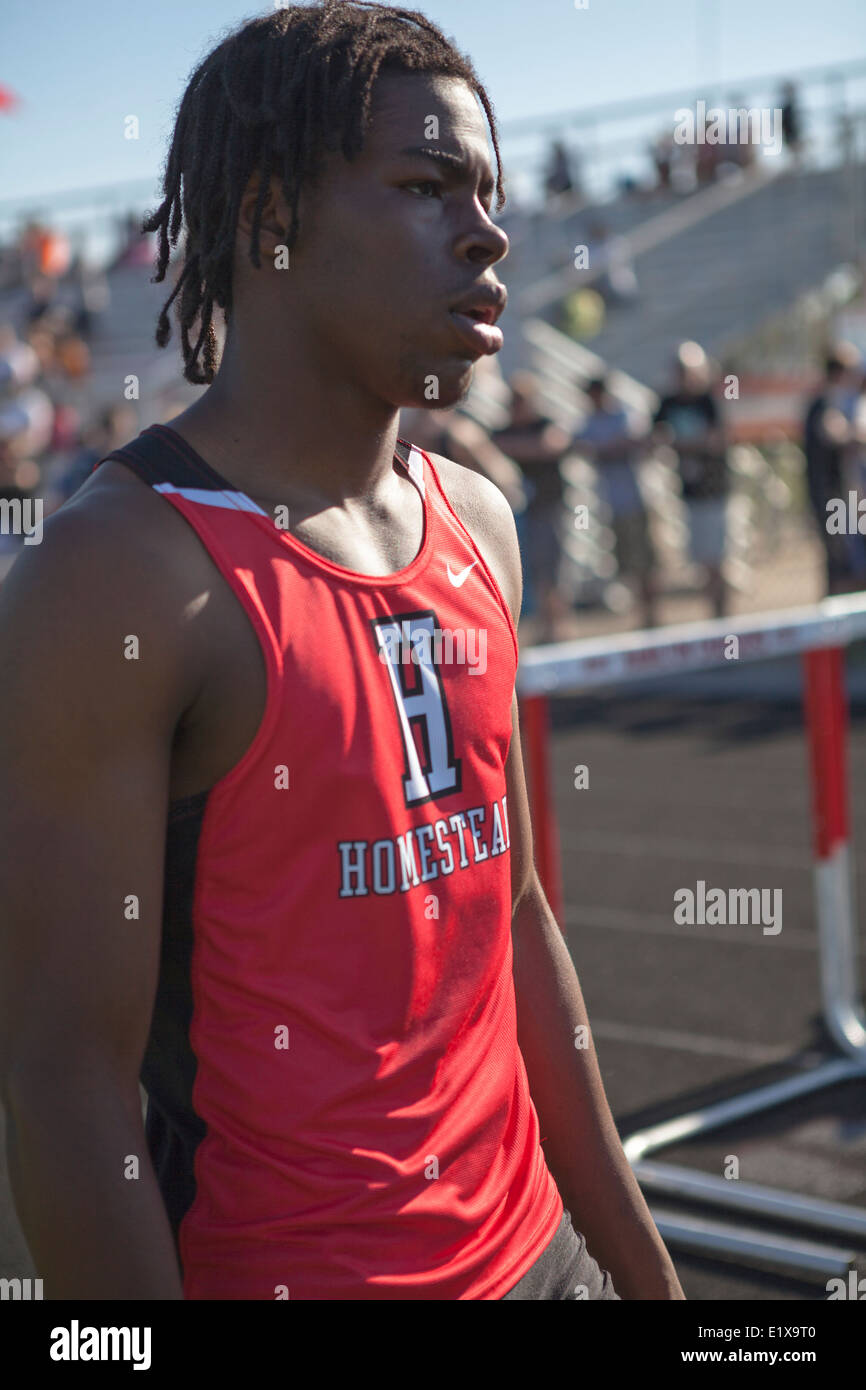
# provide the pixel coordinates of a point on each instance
(388, 242)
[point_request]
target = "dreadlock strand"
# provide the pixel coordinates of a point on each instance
(264, 181)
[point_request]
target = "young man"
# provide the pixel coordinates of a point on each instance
(291, 877)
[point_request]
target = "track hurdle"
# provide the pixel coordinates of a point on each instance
(819, 634)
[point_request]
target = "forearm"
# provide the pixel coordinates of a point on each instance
(581, 1143)
(94, 1230)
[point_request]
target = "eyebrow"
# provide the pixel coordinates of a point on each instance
(452, 161)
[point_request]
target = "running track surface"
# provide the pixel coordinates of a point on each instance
(714, 789)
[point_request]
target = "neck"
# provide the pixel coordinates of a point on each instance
(282, 416)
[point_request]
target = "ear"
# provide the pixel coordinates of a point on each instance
(276, 217)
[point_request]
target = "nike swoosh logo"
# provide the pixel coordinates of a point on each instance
(458, 579)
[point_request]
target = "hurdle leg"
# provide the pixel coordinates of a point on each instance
(826, 712)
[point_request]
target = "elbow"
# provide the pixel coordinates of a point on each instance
(525, 885)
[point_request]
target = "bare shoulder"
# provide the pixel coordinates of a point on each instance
(485, 512)
(113, 561)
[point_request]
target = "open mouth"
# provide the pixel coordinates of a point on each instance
(477, 328)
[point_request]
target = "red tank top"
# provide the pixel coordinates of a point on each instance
(338, 1105)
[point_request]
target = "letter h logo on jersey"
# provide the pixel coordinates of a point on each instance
(407, 644)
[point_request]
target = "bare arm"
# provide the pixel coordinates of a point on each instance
(582, 1145)
(85, 740)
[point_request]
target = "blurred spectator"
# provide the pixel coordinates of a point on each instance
(26, 411)
(828, 437)
(114, 427)
(456, 436)
(136, 247)
(559, 175)
(662, 152)
(857, 412)
(610, 265)
(41, 404)
(855, 473)
(792, 124)
(92, 295)
(537, 446)
(611, 441)
(26, 420)
(49, 439)
(41, 295)
(738, 153)
(708, 154)
(72, 355)
(19, 362)
(688, 420)
(44, 251)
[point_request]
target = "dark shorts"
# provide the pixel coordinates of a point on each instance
(565, 1270)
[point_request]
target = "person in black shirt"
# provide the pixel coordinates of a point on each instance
(826, 438)
(688, 420)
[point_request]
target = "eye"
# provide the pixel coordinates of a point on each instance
(423, 183)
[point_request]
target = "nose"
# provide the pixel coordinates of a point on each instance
(484, 244)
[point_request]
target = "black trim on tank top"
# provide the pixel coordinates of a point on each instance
(156, 461)
(183, 806)
(172, 1128)
(161, 455)
(215, 479)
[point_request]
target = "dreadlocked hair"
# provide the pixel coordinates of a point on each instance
(273, 96)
